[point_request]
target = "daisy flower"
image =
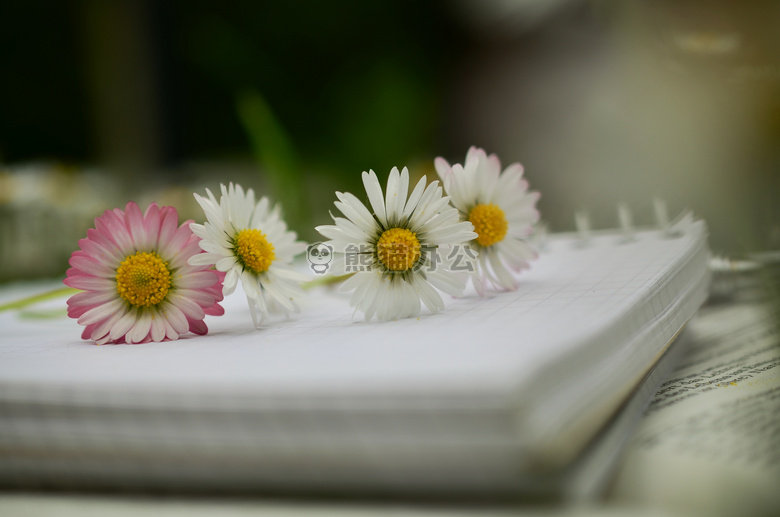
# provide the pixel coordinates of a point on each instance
(249, 241)
(501, 209)
(402, 252)
(138, 286)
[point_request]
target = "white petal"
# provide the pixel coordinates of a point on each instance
(338, 263)
(288, 274)
(414, 199)
(406, 295)
(453, 234)
(479, 284)
(372, 291)
(105, 328)
(204, 259)
(175, 318)
(141, 328)
(516, 253)
(429, 296)
(250, 285)
(504, 277)
(392, 200)
(230, 282)
(213, 247)
(261, 217)
(383, 308)
(354, 282)
(355, 211)
(344, 229)
(116, 326)
(187, 305)
(446, 281)
(199, 230)
(226, 264)
(280, 293)
(210, 208)
(374, 192)
(253, 312)
(420, 215)
(170, 332)
(431, 209)
(458, 189)
(158, 328)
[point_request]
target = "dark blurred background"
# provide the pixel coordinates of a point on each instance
(603, 101)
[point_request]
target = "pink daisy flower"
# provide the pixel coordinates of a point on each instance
(138, 286)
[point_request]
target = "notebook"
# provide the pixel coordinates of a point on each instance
(496, 395)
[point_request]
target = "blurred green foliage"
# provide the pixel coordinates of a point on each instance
(353, 85)
(276, 156)
(315, 91)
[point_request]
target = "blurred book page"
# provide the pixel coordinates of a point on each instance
(711, 438)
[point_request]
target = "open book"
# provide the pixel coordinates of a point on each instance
(485, 397)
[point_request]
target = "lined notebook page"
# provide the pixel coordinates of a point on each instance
(490, 346)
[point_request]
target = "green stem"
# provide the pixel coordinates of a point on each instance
(29, 300)
(63, 291)
(326, 280)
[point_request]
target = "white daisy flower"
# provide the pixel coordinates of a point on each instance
(402, 252)
(250, 241)
(501, 209)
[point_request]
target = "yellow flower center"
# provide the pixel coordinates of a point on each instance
(143, 279)
(489, 222)
(398, 249)
(253, 250)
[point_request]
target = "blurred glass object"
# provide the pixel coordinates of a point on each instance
(609, 102)
(44, 211)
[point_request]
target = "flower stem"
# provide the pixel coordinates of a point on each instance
(29, 300)
(326, 280)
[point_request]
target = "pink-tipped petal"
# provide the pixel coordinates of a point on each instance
(178, 240)
(176, 318)
(89, 283)
(214, 310)
(198, 327)
(90, 299)
(87, 265)
(135, 225)
(152, 224)
(115, 229)
(189, 249)
(442, 166)
(480, 181)
(87, 333)
(169, 222)
(197, 280)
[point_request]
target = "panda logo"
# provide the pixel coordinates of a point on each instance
(319, 255)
